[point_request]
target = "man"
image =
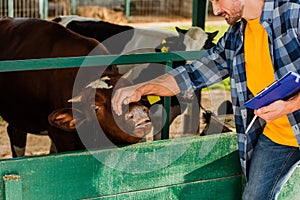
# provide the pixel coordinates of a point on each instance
(261, 45)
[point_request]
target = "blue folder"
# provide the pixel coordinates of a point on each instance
(282, 89)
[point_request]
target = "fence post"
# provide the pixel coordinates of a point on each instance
(199, 13)
(127, 9)
(167, 107)
(11, 8)
(73, 7)
(198, 19)
(43, 9)
(12, 187)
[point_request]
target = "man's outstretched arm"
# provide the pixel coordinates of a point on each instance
(164, 85)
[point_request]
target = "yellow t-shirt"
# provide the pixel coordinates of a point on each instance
(260, 74)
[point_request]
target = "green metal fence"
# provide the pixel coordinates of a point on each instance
(161, 170)
(86, 61)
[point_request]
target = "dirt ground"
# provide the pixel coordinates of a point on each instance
(40, 144)
(36, 144)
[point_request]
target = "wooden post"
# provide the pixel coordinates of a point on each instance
(12, 187)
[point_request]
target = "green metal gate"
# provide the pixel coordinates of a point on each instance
(170, 169)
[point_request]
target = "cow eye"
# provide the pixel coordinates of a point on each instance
(129, 116)
(95, 108)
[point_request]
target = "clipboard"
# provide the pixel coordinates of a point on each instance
(282, 89)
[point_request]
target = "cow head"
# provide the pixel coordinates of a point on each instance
(192, 39)
(92, 107)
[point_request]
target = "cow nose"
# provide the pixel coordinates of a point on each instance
(143, 121)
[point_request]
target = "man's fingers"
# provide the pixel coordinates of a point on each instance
(117, 102)
(124, 96)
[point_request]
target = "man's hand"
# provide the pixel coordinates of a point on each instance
(278, 109)
(164, 85)
(272, 112)
(125, 96)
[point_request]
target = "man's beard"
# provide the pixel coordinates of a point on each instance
(237, 13)
(233, 19)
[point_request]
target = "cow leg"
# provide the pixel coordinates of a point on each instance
(64, 141)
(17, 141)
(52, 147)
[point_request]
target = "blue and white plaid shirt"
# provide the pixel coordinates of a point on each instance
(281, 19)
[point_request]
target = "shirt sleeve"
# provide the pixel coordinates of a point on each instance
(207, 70)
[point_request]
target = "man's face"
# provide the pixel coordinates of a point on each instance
(231, 10)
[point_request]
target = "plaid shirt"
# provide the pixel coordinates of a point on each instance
(281, 19)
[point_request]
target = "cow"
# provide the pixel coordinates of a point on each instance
(121, 39)
(118, 39)
(93, 106)
(34, 98)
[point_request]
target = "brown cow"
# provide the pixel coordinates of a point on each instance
(30, 96)
(91, 106)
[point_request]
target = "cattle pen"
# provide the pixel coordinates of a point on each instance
(205, 167)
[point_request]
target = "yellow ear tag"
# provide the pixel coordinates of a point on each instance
(153, 99)
(164, 49)
(163, 41)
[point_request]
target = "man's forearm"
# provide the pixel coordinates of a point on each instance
(162, 86)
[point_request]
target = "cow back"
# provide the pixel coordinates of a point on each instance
(30, 96)
(103, 32)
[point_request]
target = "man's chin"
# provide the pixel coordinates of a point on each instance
(230, 21)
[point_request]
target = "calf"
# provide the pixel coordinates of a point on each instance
(80, 123)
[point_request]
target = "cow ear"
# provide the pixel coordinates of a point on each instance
(212, 35)
(63, 119)
(112, 69)
(179, 30)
